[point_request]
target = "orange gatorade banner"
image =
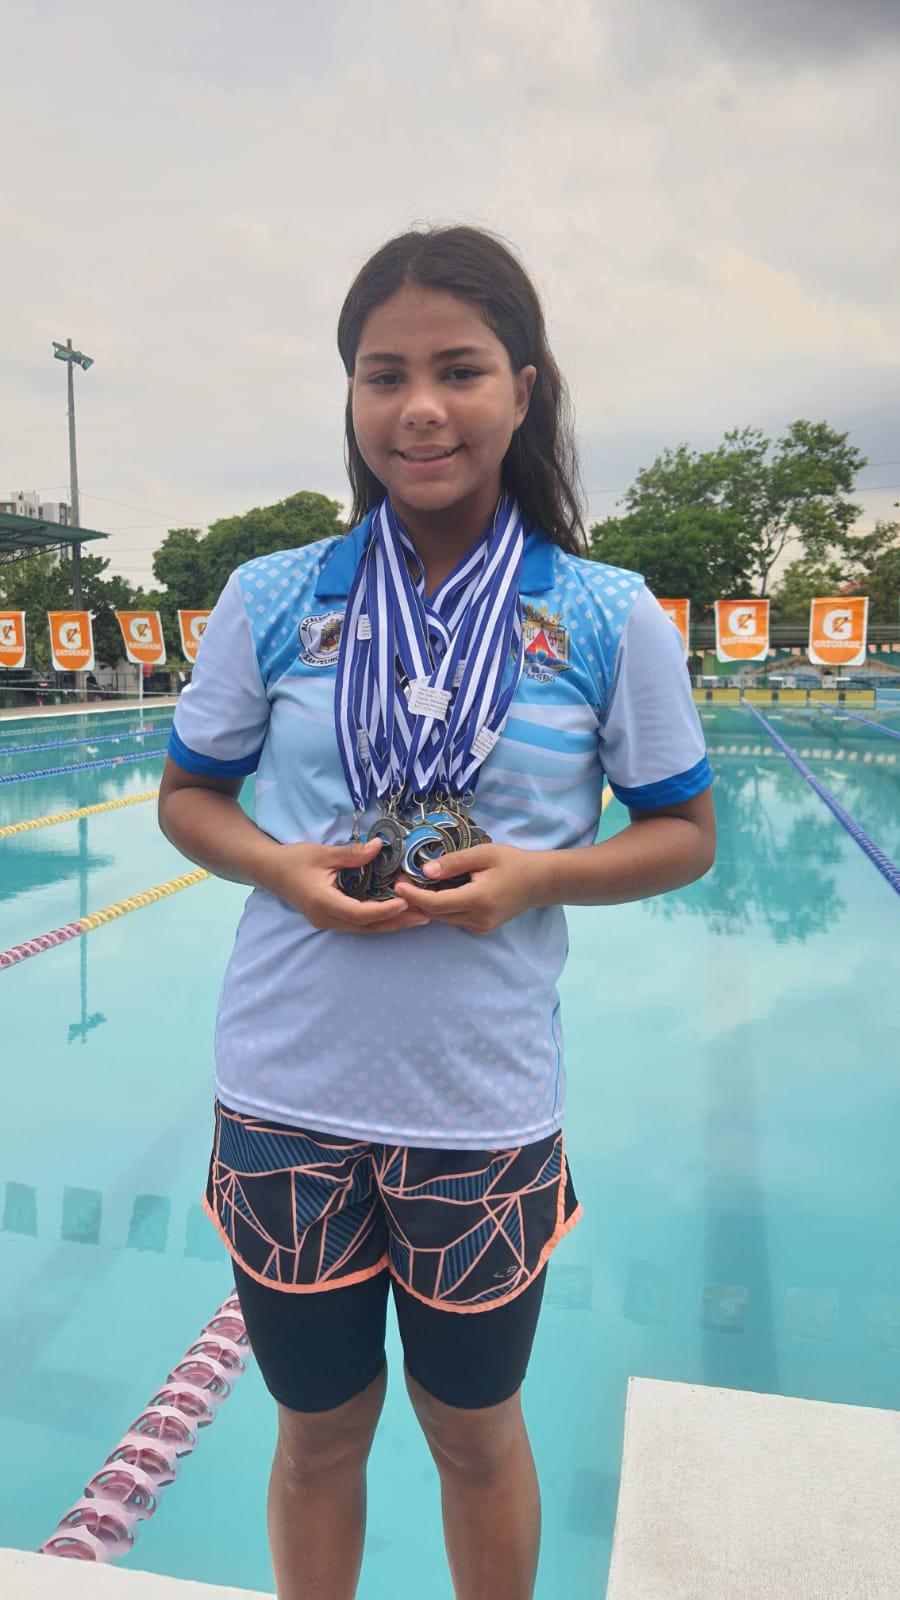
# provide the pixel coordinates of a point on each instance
(12, 638)
(742, 630)
(71, 641)
(679, 612)
(193, 627)
(143, 637)
(837, 631)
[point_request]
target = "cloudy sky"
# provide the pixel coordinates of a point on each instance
(704, 191)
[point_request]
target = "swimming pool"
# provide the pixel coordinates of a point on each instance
(731, 1125)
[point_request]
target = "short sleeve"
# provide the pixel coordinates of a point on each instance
(651, 742)
(222, 716)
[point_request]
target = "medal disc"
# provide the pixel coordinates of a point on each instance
(389, 857)
(422, 844)
(354, 881)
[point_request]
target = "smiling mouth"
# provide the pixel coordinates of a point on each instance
(438, 455)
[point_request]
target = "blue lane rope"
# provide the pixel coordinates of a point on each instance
(888, 869)
(92, 738)
(838, 711)
(82, 766)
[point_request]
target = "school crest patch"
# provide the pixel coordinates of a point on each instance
(320, 639)
(545, 643)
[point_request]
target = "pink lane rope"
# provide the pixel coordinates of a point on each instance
(43, 941)
(104, 1522)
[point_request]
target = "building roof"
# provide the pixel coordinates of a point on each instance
(31, 535)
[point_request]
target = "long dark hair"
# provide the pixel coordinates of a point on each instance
(541, 465)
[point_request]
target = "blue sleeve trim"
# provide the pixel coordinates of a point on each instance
(668, 791)
(192, 761)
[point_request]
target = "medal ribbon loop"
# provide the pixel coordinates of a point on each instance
(424, 683)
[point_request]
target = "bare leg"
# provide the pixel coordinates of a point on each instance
(317, 1496)
(489, 1494)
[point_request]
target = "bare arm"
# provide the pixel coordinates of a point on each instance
(201, 816)
(661, 850)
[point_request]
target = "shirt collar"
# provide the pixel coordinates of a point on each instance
(339, 570)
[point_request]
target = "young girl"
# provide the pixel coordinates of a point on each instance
(430, 704)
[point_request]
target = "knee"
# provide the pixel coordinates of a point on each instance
(313, 1445)
(475, 1445)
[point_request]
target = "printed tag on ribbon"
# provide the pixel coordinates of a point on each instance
(425, 701)
(483, 743)
(363, 628)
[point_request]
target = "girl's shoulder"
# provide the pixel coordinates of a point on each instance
(283, 572)
(596, 589)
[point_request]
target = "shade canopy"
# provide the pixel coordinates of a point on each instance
(22, 536)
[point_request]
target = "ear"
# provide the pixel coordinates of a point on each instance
(525, 381)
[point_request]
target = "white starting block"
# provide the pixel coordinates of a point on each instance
(729, 1495)
(24, 1576)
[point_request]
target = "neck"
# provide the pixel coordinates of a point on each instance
(441, 538)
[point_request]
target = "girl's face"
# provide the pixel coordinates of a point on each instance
(431, 376)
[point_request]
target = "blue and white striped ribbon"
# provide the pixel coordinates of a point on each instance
(457, 654)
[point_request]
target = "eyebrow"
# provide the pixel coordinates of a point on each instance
(440, 355)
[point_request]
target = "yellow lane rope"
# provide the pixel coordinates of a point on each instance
(96, 919)
(120, 908)
(71, 816)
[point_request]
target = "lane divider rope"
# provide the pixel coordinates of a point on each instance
(893, 733)
(81, 766)
(104, 1521)
(91, 738)
(888, 869)
(96, 919)
(72, 816)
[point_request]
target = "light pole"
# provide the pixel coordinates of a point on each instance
(64, 352)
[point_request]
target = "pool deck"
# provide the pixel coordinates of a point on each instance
(81, 708)
(24, 1576)
(730, 1495)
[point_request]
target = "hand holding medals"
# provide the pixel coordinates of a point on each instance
(423, 687)
(411, 838)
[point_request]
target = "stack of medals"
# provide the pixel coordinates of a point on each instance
(422, 692)
(412, 835)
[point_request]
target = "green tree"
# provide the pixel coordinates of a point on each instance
(873, 564)
(800, 583)
(701, 551)
(736, 509)
(38, 584)
(868, 563)
(195, 569)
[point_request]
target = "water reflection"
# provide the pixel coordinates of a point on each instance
(781, 877)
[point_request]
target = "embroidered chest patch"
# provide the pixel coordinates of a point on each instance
(545, 643)
(320, 639)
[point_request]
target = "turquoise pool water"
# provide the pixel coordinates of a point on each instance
(732, 1128)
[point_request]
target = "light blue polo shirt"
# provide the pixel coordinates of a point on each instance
(435, 1036)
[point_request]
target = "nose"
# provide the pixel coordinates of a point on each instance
(423, 405)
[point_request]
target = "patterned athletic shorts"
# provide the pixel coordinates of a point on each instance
(461, 1230)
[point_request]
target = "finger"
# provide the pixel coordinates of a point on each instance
(396, 925)
(354, 853)
(360, 913)
(450, 902)
(456, 862)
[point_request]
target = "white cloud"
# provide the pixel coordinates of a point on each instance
(713, 236)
